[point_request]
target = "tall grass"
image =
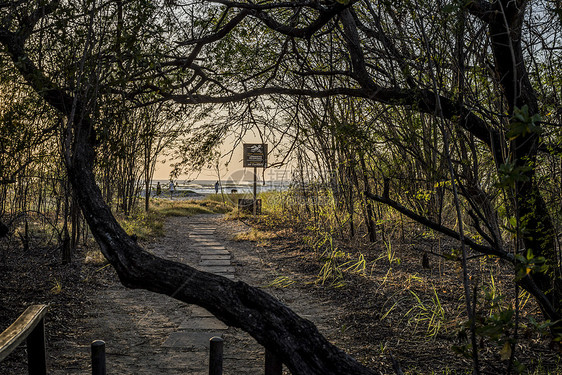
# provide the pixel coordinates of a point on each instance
(424, 310)
(428, 312)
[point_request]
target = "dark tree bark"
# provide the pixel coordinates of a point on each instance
(537, 228)
(504, 19)
(296, 341)
(4, 230)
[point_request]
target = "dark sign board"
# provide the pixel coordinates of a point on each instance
(255, 155)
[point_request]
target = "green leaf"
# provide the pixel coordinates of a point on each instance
(522, 123)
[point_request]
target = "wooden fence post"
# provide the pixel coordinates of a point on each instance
(98, 358)
(216, 356)
(273, 365)
(36, 356)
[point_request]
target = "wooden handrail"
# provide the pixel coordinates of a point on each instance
(28, 325)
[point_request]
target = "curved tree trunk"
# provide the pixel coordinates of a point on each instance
(296, 341)
(293, 339)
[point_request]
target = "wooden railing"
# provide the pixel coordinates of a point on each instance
(28, 326)
(273, 365)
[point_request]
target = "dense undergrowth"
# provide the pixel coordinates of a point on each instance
(402, 292)
(408, 284)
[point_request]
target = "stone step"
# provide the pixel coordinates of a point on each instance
(214, 252)
(200, 312)
(198, 340)
(213, 246)
(215, 256)
(215, 262)
(204, 242)
(203, 323)
(216, 269)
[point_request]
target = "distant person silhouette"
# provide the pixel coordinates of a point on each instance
(172, 188)
(216, 187)
(158, 189)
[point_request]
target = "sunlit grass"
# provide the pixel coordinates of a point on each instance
(94, 256)
(183, 210)
(228, 199)
(188, 208)
(254, 235)
(145, 225)
(56, 286)
(281, 282)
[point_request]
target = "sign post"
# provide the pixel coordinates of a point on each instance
(255, 155)
(255, 190)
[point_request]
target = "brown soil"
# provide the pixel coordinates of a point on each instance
(383, 311)
(91, 304)
(87, 302)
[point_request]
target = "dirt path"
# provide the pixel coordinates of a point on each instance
(152, 334)
(146, 333)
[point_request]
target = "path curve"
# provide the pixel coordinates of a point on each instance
(147, 333)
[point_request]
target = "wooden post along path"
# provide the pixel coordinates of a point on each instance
(98, 358)
(273, 365)
(216, 356)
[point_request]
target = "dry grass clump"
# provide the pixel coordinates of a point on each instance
(94, 256)
(255, 235)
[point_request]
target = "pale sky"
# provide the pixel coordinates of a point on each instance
(234, 171)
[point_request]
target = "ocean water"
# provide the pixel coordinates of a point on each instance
(205, 187)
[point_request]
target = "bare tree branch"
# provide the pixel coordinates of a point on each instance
(440, 228)
(296, 341)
